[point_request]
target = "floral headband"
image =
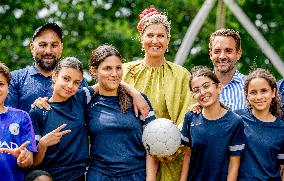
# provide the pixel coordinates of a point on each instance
(145, 14)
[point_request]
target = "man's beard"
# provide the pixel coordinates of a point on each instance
(45, 67)
(224, 71)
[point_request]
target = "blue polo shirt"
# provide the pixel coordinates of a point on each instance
(116, 137)
(264, 148)
(15, 129)
(68, 159)
(212, 142)
(27, 85)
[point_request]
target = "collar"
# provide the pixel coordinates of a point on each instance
(33, 70)
(237, 77)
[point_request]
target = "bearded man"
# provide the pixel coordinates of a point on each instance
(34, 81)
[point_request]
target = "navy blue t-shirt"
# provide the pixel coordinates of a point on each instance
(27, 85)
(116, 137)
(212, 142)
(68, 159)
(264, 148)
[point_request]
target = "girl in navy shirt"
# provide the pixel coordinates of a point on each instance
(214, 138)
(264, 129)
(117, 152)
(61, 135)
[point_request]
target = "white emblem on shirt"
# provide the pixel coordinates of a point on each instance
(14, 128)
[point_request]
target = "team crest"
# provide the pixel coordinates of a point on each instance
(14, 128)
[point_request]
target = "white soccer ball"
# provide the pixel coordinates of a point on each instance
(161, 137)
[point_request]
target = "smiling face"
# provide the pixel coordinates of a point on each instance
(260, 94)
(46, 50)
(66, 83)
(224, 54)
(109, 74)
(155, 40)
(205, 91)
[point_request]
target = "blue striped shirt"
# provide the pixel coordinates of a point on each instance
(233, 95)
(280, 84)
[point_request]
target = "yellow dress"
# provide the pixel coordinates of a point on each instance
(167, 89)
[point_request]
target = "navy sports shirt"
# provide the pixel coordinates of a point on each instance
(116, 137)
(212, 142)
(27, 85)
(67, 160)
(264, 148)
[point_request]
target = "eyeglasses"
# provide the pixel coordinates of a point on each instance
(205, 87)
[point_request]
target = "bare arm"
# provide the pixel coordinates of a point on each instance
(140, 104)
(234, 165)
(151, 168)
(185, 164)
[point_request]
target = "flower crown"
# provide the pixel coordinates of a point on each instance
(145, 14)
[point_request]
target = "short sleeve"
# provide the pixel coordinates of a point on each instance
(280, 155)
(89, 92)
(36, 122)
(185, 132)
(151, 115)
(237, 143)
(27, 133)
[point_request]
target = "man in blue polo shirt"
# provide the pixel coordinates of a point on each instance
(29, 83)
(224, 51)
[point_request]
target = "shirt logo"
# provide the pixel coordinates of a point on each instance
(14, 128)
(195, 124)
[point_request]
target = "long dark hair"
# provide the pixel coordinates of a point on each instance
(97, 57)
(275, 106)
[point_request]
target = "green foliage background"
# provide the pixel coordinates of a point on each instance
(87, 24)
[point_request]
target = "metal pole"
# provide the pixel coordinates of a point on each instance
(192, 31)
(220, 15)
(256, 35)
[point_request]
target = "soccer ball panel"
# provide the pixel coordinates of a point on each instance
(161, 137)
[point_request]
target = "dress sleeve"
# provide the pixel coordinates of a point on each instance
(237, 143)
(185, 132)
(27, 133)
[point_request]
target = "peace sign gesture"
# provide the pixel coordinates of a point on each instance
(24, 157)
(50, 139)
(53, 137)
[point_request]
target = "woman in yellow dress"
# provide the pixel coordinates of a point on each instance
(164, 83)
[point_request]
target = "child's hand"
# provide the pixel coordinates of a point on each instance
(24, 157)
(41, 103)
(195, 108)
(53, 137)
